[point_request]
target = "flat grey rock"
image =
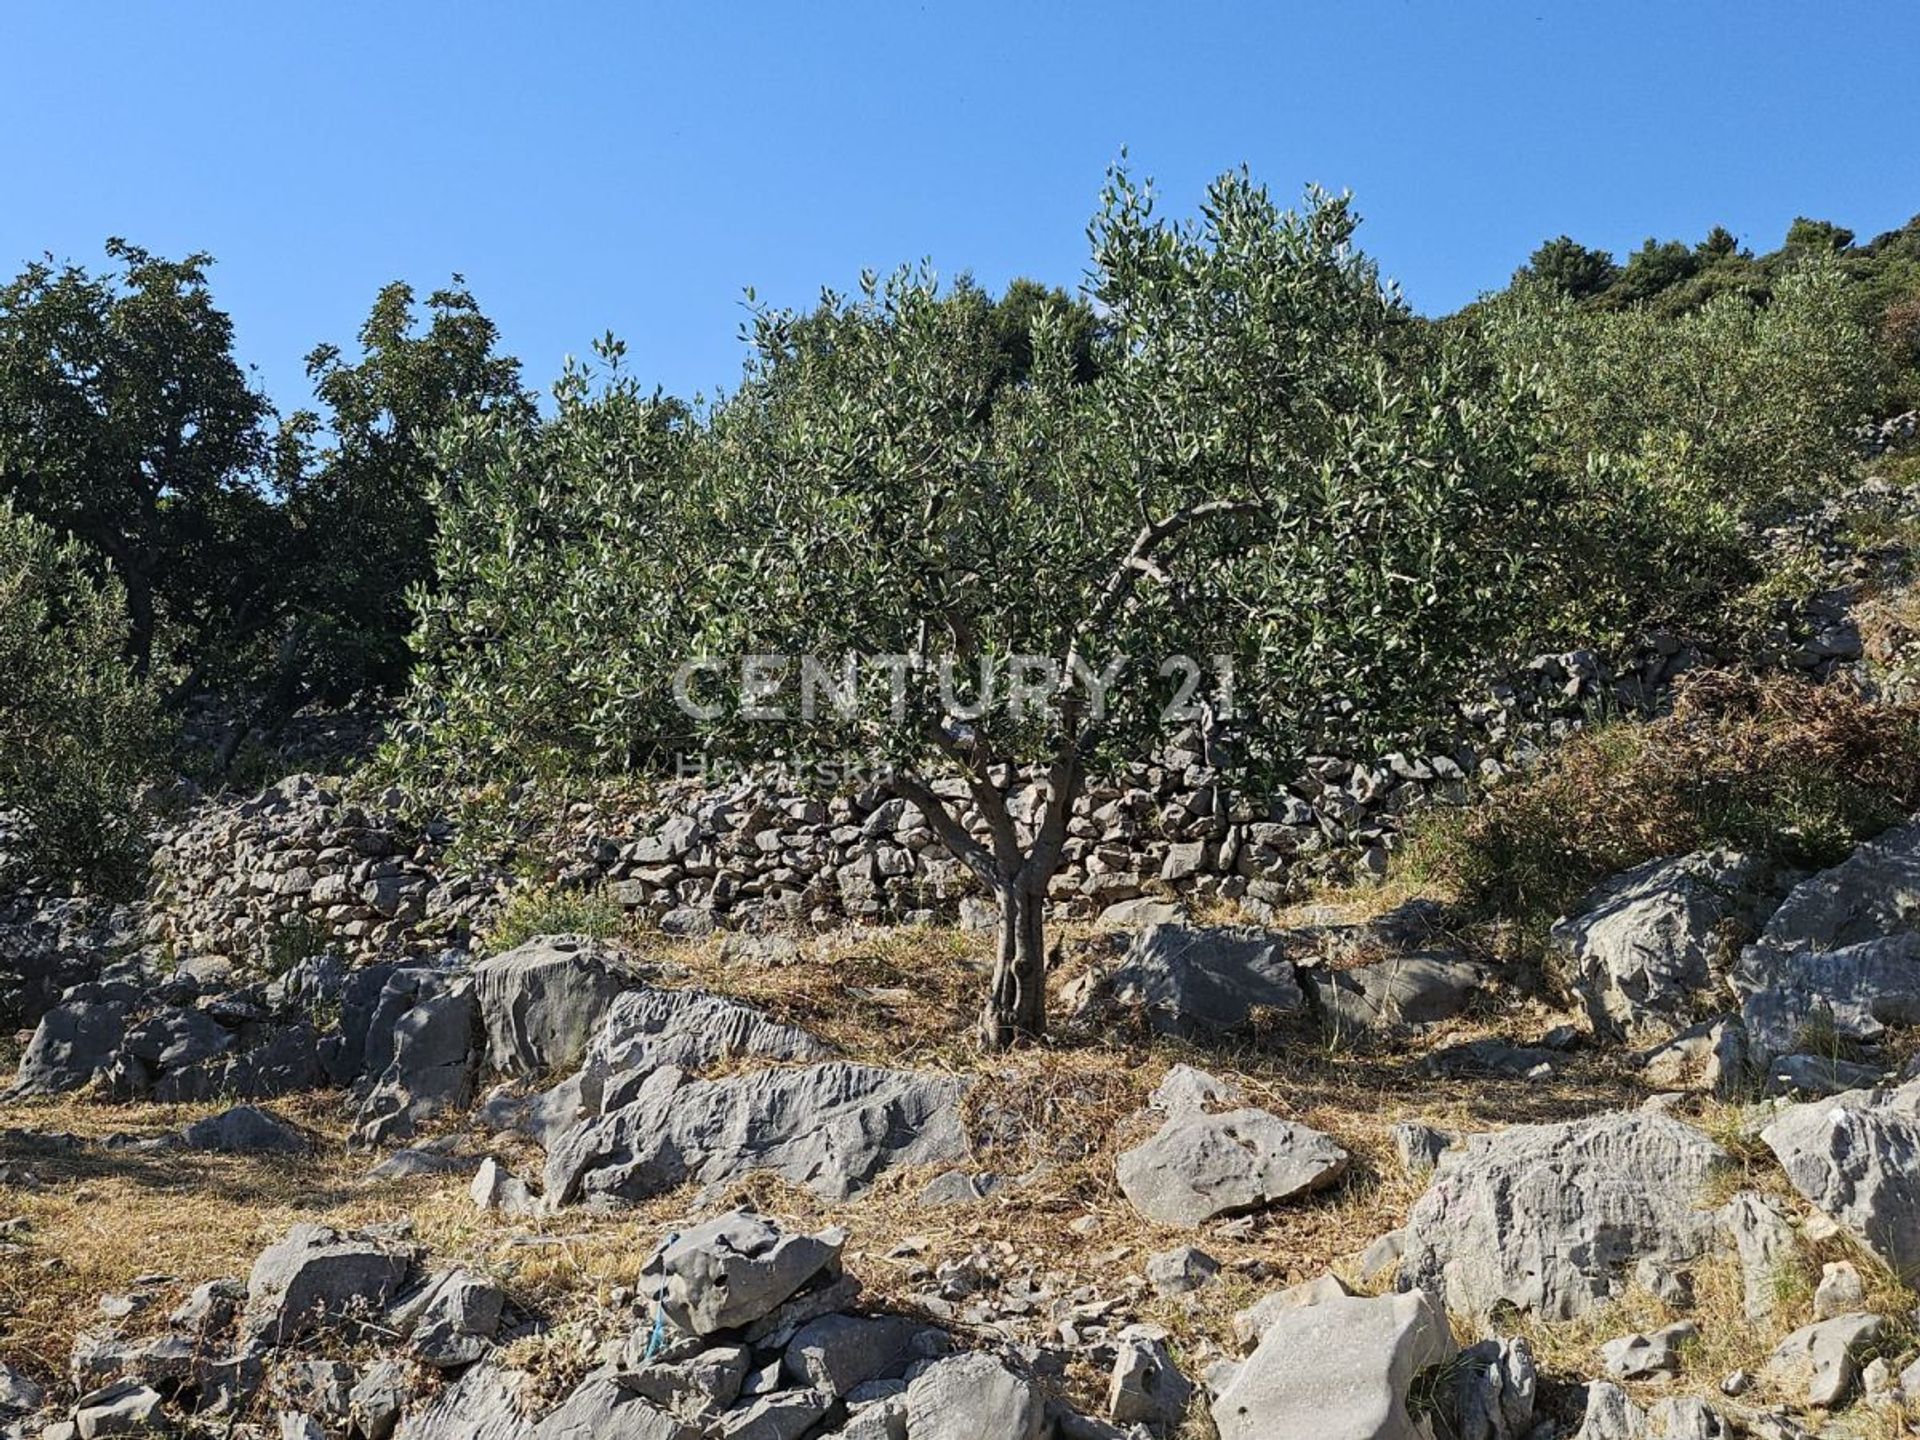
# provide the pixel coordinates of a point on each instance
(831, 1128)
(1198, 981)
(1643, 945)
(1198, 1166)
(541, 1002)
(316, 1278)
(1552, 1218)
(1812, 996)
(433, 1054)
(970, 1397)
(736, 1269)
(1342, 1367)
(650, 1029)
(1817, 1360)
(1413, 989)
(1856, 1157)
(245, 1129)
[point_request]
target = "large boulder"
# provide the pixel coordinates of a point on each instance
(75, 1040)
(1856, 1156)
(600, 1408)
(1645, 944)
(1875, 891)
(971, 1397)
(1817, 1360)
(1339, 1369)
(1813, 997)
(1412, 989)
(245, 1129)
(542, 1001)
(432, 1056)
(731, 1271)
(1209, 980)
(648, 1029)
(1197, 1165)
(483, 1404)
(315, 1278)
(830, 1128)
(1552, 1218)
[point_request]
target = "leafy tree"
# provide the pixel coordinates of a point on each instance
(1652, 269)
(1565, 265)
(567, 559)
(1258, 469)
(1720, 244)
(1014, 314)
(1819, 236)
(1704, 423)
(357, 478)
(79, 730)
(125, 421)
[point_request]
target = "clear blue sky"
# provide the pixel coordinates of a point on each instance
(634, 166)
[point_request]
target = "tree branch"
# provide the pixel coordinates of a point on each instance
(969, 851)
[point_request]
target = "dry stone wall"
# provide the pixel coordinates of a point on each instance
(303, 863)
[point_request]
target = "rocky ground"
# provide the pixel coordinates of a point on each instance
(1339, 1174)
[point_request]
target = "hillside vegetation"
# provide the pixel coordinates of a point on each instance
(1208, 857)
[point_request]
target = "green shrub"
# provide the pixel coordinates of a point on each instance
(536, 910)
(1791, 771)
(80, 734)
(1731, 408)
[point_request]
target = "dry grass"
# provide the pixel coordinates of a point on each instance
(1053, 1116)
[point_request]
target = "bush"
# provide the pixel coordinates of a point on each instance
(80, 734)
(541, 910)
(1791, 771)
(1731, 409)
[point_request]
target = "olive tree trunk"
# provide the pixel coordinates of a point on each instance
(1016, 1007)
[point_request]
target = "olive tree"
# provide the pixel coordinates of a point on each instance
(80, 732)
(1272, 475)
(886, 555)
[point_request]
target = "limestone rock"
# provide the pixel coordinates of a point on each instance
(1197, 1166)
(1340, 1368)
(1817, 1359)
(75, 1040)
(541, 1002)
(1413, 989)
(736, 1269)
(1146, 1387)
(1198, 981)
(1495, 1385)
(968, 1397)
(1856, 1157)
(317, 1277)
(245, 1128)
(1549, 1218)
(1766, 1245)
(649, 1029)
(1644, 944)
(831, 1128)
(837, 1352)
(435, 1048)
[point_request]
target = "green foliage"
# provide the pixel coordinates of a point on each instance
(1820, 237)
(1651, 269)
(535, 910)
(1569, 268)
(79, 730)
(125, 421)
(1265, 461)
(1690, 427)
(1785, 769)
(568, 560)
(357, 478)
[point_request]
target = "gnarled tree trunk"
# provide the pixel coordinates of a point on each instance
(1016, 1007)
